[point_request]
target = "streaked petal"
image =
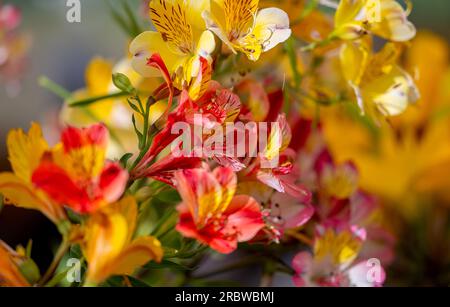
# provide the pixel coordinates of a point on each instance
(25, 151)
(144, 46)
(112, 182)
(57, 184)
(23, 194)
(271, 27)
(106, 237)
(245, 217)
(139, 252)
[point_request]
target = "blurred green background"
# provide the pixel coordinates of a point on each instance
(61, 51)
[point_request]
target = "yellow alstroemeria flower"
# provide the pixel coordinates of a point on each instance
(181, 40)
(25, 154)
(385, 18)
(429, 74)
(114, 113)
(410, 157)
(240, 25)
(10, 275)
(109, 246)
(381, 86)
(338, 248)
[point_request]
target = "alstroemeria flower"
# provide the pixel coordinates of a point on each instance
(281, 211)
(275, 163)
(240, 25)
(381, 86)
(338, 181)
(385, 18)
(216, 106)
(10, 275)
(163, 168)
(114, 113)
(109, 246)
(211, 213)
(332, 261)
(25, 154)
(76, 174)
(182, 40)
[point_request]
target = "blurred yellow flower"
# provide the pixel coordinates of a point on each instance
(385, 18)
(340, 248)
(381, 86)
(109, 246)
(10, 275)
(410, 157)
(114, 113)
(25, 154)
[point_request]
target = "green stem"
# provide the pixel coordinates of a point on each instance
(318, 44)
(53, 87)
(56, 260)
(91, 100)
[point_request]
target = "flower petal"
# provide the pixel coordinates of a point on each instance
(23, 194)
(25, 151)
(139, 252)
(113, 180)
(106, 235)
(144, 46)
(59, 186)
(245, 217)
(272, 27)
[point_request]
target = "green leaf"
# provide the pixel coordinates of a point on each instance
(57, 278)
(292, 54)
(137, 283)
(138, 133)
(119, 281)
(170, 197)
(74, 217)
(28, 248)
(128, 23)
(75, 252)
(123, 83)
(134, 107)
(167, 264)
(91, 100)
(134, 25)
(30, 271)
(125, 158)
(55, 88)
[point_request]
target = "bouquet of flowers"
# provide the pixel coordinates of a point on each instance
(234, 134)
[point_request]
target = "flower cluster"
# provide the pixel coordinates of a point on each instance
(144, 176)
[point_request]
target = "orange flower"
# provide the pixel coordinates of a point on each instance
(210, 211)
(25, 154)
(75, 174)
(109, 248)
(10, 275)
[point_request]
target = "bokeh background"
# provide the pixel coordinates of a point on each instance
(61, 51)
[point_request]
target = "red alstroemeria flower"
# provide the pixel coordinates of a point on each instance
(282, 175)
(217, 106)
(165, 167)
(75, 172)
(211, 213)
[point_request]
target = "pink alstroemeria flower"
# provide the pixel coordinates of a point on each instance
(212, 213)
